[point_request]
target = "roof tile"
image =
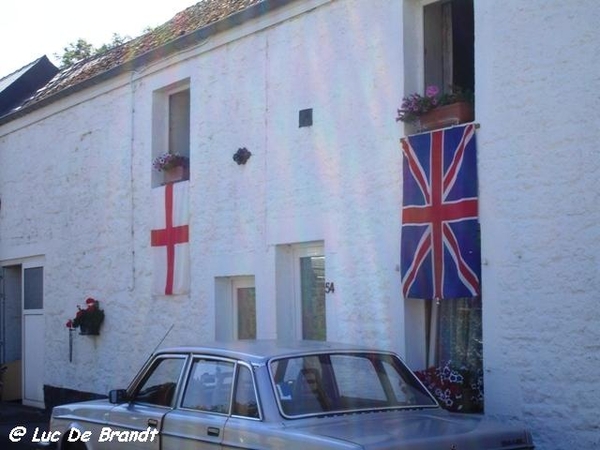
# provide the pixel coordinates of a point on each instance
(191, 19)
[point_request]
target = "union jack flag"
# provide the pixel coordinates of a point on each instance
(440, 252)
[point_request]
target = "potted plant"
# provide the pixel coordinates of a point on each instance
(174, 166)
(435, 110)
(88, 320)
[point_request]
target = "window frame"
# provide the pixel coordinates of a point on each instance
(415, 76)
(408, 376)
(256, 396)
(237, 283)
(300, 252)
(186, 384)
(147, 372)
(175, 115)
(235, 370)
(161, 123)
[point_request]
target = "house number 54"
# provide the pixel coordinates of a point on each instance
(329, 287)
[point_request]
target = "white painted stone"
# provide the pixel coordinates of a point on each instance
(75, 185)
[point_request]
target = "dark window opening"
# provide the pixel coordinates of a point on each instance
(449, 45)
(179, 123)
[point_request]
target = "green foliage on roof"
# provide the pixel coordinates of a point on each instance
(82, 49)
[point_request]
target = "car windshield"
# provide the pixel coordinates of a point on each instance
(345, 382)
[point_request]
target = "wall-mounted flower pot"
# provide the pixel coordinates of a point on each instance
(446, 116)
(242, 156)
(174, 174)
(89, 330)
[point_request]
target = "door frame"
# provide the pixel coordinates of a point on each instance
(33, 367)
(240, 282)
(38, 347)
(312, 249)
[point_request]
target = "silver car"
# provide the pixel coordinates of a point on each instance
(273, 395)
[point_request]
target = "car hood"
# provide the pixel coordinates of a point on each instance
(418, 430)
(93, 410)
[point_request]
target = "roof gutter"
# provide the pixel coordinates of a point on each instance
(171, 47)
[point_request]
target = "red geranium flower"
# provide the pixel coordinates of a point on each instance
(89, 318)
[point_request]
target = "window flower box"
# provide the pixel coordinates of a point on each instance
(435, 110)
(175, 174)
(445, 116)
(174, 167)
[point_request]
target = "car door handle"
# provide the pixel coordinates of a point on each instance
(152, 423)
(213, 431)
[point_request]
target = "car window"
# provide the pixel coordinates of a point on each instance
(158, 387)
(288, 371)
(209, 386)
(403, 392)
(341, 382)
(357, 378)
(300, 385)
(244, 398)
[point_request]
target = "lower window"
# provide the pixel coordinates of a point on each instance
(454, 371)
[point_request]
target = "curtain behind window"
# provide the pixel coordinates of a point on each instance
(458, 328)
(455, 354)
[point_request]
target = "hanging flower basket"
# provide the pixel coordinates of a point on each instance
(88, 320)
(91, 331)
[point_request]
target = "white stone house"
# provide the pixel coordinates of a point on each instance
(311, 89)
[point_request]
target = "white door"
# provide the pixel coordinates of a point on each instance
(310, 307)
(33, 334)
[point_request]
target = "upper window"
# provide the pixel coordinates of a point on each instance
(179, 123)
(171, 134)
(448, 41)
(34, 288)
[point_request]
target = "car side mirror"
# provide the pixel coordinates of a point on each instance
(117, 396)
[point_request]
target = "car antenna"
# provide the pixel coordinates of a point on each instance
(164, 337)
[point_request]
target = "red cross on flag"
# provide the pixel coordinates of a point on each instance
(170, 239)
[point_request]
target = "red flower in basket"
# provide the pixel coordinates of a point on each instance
(88, 320)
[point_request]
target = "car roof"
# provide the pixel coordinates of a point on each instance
(260, 351)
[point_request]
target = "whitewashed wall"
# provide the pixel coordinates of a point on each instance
(66, 195)
(336, 182)
(78, 191)
(537, 102)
